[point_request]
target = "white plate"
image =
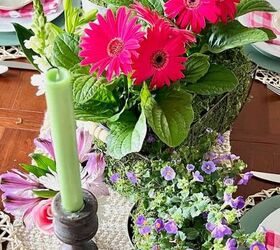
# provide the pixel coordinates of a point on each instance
(271, 222)
(267, 49)
(12, 4)
(6, 22)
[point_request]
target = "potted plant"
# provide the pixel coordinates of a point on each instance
(157, 75)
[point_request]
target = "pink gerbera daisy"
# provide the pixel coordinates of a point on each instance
(153, 18)
(193, 13)
(160, 58)
(111, 43)
(227, 9)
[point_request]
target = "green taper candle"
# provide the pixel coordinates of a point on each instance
(63, 130)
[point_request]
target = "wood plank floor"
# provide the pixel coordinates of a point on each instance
(255, 136)
(21, 116)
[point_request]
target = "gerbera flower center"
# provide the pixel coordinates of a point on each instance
(115, 47)
(159, 60)
(192, 3)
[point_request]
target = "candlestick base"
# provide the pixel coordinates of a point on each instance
(76, 230)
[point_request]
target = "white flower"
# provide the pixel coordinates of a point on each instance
(33, 43)
(38, 80)
(42, 63)
(50, 181)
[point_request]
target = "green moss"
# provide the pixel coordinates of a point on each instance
(219, 112)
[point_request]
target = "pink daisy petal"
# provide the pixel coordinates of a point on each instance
(109, 44)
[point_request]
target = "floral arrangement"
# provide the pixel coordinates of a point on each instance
(29, 195)
(186, 201)
(138, 67)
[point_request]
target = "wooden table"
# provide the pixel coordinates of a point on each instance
(255, 136)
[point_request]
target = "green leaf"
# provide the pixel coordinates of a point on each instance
(44, 193)
(197, 66)
(22, 35)
(169, 114)
(217, 81)
(34, 169)
(44, 162)
(234, 34)
(127, 135)
(246, 6)
(66, 50)
(191, 233)
(154, 5)
(94, 114)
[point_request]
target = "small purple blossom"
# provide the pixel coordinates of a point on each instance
(210, 156)
(218, 231)
(156, 247)
(257, 246)
(190, 167)
(245, 178)
(231, 244)
(238, 203)
(132, 177)
(171, 227)
(220, 139)
(168, 173)
(197, 176)
(208, 167)
(141, 220)
(227, 199)
(145, 230)
(115, 177)
(228, 181)
(232, 157)
(151, 139)
(159, 225)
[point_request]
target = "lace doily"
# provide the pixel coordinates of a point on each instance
(269, 78)
(10, 52)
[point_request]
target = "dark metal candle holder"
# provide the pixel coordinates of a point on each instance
(76, 230)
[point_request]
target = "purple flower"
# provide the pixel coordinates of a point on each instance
(220, 139)
(190, 167)
(115, 177)
(159, 225)
(227, 198)
(156, 247)
(141, 220)
(208, 167)
(19, 205)
(151, 139)
(218, 231)
(210, 156)
(168, 173)
(132, 177)
(171, 227)
(238, 203)
(145, 230)
(197, 176)
(84, 144)
(15, 182)
(228, 181)
(257, 246)
(45, 145)
(93, 175)
(231, 244)
(232, 157)
(245, 178)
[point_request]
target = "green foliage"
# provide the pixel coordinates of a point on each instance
(156, 5)
(43, 162)
(66, 50)
(217, 81)
(44, 193)
(246, 6)
(34, 169)
(234, 34)
(22, 35)
(197, 66)
(169, 114)
(127, 135)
